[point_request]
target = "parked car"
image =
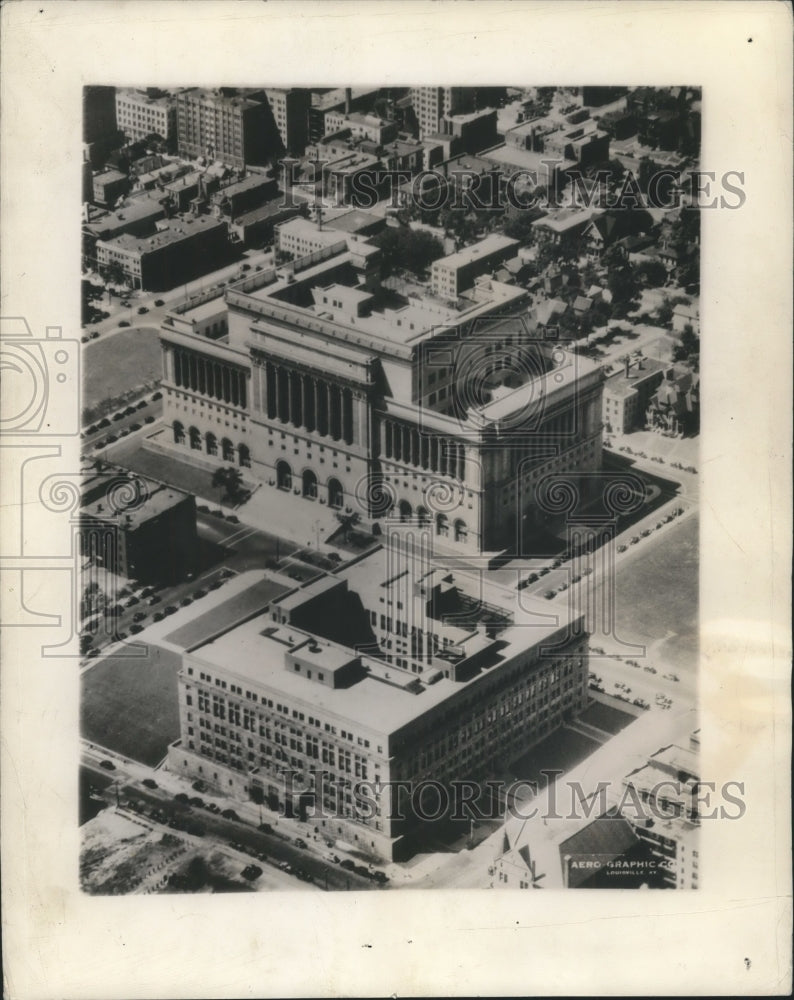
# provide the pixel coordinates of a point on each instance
(142, 310)
(213, 807)
(108, 765)
(155, 599)
(159, 302)
(230, 814)
(139, 616)
(285, 866)
(158, 616)
(170, 610)
(149, 782)
(124, 322)
(135, 629)
(300, 842)
(196, 802)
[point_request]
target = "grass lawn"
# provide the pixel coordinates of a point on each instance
(129, 704)
(113, 364)
(657, 596)
(165, 468)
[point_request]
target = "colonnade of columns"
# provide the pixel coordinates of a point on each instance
(403, 443)
(212, 378)
(316, 404)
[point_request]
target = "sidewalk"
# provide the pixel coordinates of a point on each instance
(308, 523)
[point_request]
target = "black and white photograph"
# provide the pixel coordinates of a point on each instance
(395, 482)
(389, 518)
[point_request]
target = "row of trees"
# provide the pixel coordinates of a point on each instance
(406, 249)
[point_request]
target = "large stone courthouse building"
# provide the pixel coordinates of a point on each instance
(381, 396)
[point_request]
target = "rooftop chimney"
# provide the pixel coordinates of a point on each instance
(348, 97)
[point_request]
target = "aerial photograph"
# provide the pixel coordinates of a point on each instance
(393, 392)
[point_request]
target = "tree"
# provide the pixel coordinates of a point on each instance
(409, 249)
(229, 480)
(348, 522)
(688, 348)
(520, 228)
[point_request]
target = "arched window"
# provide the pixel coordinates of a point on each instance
(283, 476)
(461, 533)
(244, 453)
(309, 484)
(228, 450)
(212, 443)
(179, 432)
(442, 525)
(195, 438)
(405, 510)
(336, 495)
(422, 515)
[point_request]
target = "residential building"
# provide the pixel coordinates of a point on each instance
(222, 125)
(339, 99)
(643, 834)
(243, 195)
(361, 126)
(685, 314)
(182, 248)
(99, 113)
(145, 533)
(565, 228)
(256, 227)
(290, 110)
(451, 275)
(474, 130)
(431, 104)
(675, 406)
(109, 186)
(140, 113)
(612, 226)
(627, 393)
(668, 784)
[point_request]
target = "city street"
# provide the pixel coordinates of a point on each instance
(219, 831)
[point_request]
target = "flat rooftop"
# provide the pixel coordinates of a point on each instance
(141, 97)
(177, 230)
(618, 384)
(526, 397)
(227, 615)
(211, 97)
(250, 183)
(526, 159)
(495, 243)
(158, 500)
(565, 219)
(206, 310)
(399, 320)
